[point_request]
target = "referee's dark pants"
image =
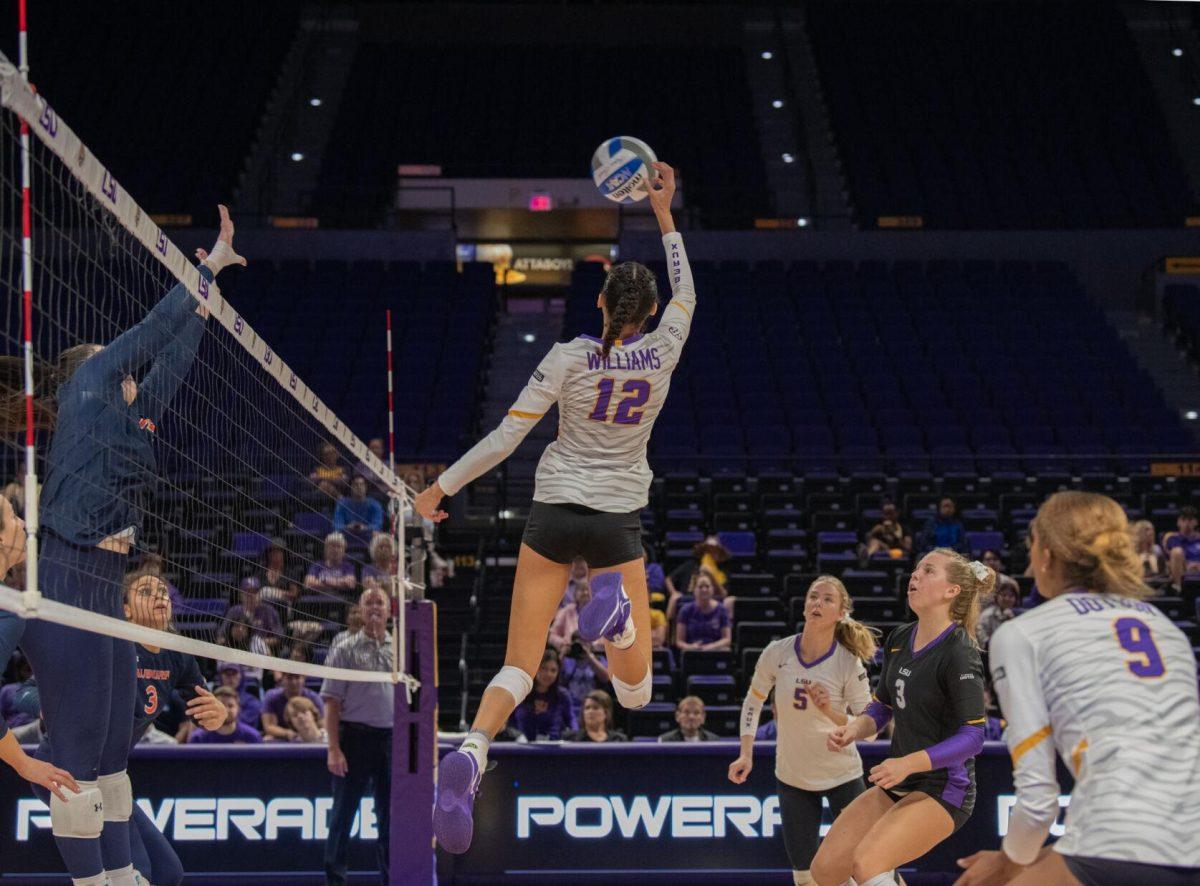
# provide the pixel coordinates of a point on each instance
(368, 751)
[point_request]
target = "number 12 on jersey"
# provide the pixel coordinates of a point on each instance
(637, 393)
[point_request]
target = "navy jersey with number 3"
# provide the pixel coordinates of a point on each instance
(158, 675)
(933, 692)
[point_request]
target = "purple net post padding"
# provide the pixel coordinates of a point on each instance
(414, 750)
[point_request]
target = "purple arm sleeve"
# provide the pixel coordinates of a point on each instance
(879, 712)
(961, 746)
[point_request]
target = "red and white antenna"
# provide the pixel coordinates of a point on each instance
(31, 497)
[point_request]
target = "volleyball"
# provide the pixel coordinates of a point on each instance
(620, 167)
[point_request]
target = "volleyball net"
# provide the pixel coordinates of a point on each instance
(243, 463)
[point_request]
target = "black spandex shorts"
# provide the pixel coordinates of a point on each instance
(933, 788)
(1110, 872)
(566, 531)
(800, 815)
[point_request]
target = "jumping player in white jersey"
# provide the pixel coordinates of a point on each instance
(592, 483)
(1109, 683)
(818, 677)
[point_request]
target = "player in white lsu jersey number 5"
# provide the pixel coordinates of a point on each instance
(591, 485)
(1109, 682)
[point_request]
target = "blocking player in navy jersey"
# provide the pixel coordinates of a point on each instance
(932, 686)
(1105, 681)
(820, 683)
(160, 672)
(592, 483)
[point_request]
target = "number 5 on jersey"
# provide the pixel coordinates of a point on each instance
(637, 391)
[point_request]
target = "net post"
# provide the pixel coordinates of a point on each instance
(30, 596)
(414, 754)
(400, 582)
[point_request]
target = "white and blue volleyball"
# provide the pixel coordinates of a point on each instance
(621, 167)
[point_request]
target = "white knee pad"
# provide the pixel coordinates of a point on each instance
(803, 878)
(118, 796)
(514, 681)
(80, 815)
(636, 696)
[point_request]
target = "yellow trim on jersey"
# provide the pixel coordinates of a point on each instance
(978, 722)
(681, 307)
(761, 697)
(519, 414)
(875, 697)
(1077, 756)
(1028, 744)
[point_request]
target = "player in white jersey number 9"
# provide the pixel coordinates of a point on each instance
(1104, 680)
(592, 483)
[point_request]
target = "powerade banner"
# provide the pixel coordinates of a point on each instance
(225, 810)
(644, 809)
(545, 813)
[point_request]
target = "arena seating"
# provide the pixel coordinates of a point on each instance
(328, 320)
(192, 88)
(707, 129)
(945, 366)
(1040, 116)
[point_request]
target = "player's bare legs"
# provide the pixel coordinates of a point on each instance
(834, 861)
(908, 830)
(631, 664)
(537, 591)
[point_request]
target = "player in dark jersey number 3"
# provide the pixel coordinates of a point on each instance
(932, 686)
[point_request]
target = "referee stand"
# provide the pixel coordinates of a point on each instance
(414, 751)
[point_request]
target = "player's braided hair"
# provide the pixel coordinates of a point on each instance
(630, 293)
(964, 609)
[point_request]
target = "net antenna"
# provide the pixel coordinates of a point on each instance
(236, 433)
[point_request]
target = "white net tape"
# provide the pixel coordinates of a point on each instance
(244, 463)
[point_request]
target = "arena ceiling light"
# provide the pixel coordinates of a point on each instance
(529, 338)
(788, 158)
(315, 102)
(1191, 415)
(767, 55)
(297, 156)
(777, 104)
(1177, 52)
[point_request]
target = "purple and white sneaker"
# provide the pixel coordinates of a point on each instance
(607, 615)
(453, 818)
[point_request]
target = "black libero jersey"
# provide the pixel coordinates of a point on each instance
(932, 692)
(158, 675)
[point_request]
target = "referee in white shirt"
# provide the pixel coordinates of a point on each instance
(358, 719)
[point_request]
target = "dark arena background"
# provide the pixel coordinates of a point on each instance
(947, 262)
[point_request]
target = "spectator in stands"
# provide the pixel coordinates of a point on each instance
(266, 628)
(578, 573)
(232, 731)
(546, 713)
(944, 530)
(597, 720)
(383, 561)
(232, 675)
(356, 512)
(274, 573)
(991, 559)
(565, 627)
(334, 575)
(719, 593)
(1154, 561)
(689, 714)
(273, 721)
(658, 629)
(1001, 609)
(1183, 547)
(354, 623)
(706, 554)
(888, 536)
(330, 473)
(362, 469)
(303, 718)
(583, 669)
(656, 579)
(704, 623)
